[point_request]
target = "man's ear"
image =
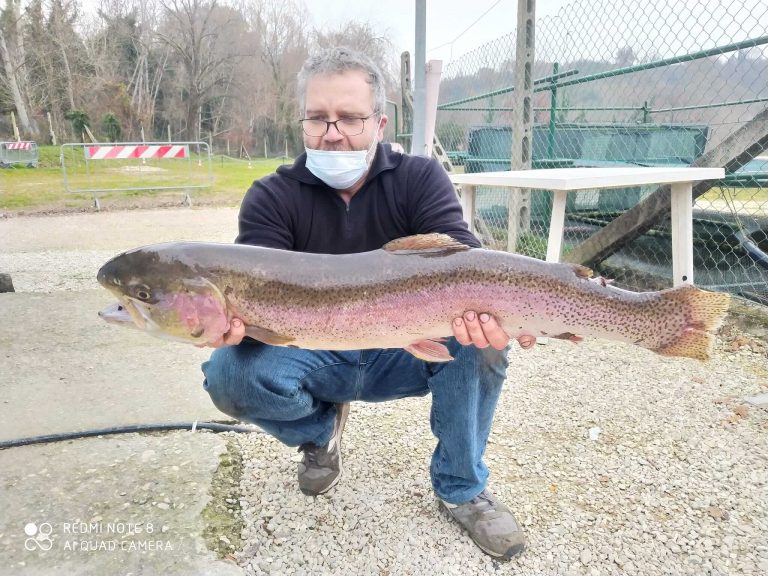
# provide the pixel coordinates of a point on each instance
(382, 123)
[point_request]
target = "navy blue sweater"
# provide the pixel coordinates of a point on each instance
(402, 195)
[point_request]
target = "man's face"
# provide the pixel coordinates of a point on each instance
(336, 96)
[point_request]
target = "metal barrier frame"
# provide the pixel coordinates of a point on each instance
(96, 190)
(6, 155)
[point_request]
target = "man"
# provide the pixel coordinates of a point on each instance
(350, 193)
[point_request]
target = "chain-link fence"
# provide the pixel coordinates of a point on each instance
(621, 83)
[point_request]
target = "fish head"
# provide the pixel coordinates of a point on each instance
(164, 296)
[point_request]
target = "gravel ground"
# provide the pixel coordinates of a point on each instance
(617, 461)
(674, 483)
(64, 252)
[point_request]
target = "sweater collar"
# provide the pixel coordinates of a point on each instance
(385, 159)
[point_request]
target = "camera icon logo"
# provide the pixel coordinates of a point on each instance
(39, 536)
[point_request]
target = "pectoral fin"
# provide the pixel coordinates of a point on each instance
(429, 351)
(267, 336)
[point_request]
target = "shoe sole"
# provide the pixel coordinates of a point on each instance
(508, 555)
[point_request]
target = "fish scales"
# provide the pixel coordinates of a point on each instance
(425, 303)
(404, 294)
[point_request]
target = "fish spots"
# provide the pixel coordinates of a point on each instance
(371, 303)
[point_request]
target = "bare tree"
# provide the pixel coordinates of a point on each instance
(13, 57)
(128, 63)
(227, 67)
(362, 37)
(201, 35)
(41, 67)
(62, 18)
(282, 33)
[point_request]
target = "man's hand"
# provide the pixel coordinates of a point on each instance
(232, 338)
(482, 330)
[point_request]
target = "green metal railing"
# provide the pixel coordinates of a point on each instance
(667, 83)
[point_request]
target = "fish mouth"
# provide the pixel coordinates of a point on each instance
(117, 314)
(129, 311)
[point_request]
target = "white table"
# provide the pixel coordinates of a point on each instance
(564, 180)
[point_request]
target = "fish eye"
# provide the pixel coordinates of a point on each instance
(143, 292)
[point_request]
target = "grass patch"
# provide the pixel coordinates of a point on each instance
(739, 194)
(43, 188)
(223, 523)
(532, 245)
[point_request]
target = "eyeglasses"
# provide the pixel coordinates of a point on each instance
(345, 126)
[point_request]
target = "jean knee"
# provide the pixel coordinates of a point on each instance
(220, 381)
(250, 382)
(214, 368)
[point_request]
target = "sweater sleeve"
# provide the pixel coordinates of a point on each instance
(434, 204)
(264, 220)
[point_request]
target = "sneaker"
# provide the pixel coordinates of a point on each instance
(320, 468)
(490, 524)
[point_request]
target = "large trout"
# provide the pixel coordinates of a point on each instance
(402, 296)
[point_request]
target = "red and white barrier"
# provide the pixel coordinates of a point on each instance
(19, 145)
(119, 152)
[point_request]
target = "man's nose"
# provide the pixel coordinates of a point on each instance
(333, 134)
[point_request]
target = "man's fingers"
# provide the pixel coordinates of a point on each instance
(460, 332)
(493, 333)
(475, 330)
(481, 330)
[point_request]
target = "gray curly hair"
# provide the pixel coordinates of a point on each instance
(338, 60)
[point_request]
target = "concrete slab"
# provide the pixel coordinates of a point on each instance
(760, 401)
(64, 369)
(124, 505)
(87, 506)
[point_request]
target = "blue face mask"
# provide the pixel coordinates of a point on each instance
(340, 169)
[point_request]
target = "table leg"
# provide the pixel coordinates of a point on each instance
(682, 233)
(468, 205)
(556, 225)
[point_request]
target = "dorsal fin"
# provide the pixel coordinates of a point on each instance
(424, 244)
(582, 271)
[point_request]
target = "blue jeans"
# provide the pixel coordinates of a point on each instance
(290, 393)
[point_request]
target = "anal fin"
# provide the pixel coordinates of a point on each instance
(570, 336)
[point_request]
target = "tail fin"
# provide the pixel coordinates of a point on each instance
(705, 312)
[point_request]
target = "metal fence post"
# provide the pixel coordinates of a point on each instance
(519, 205)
